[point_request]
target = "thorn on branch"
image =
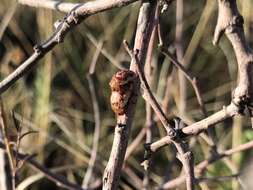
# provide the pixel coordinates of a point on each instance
(243, 103)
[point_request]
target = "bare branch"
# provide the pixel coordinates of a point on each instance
(184, 155)
(50, 4)
(9, 151)
(204, 164)
(124, 122)
(58, 180)
(71, 20)
(189, 76)
(219, 178)
(202, 125)
(230, 22)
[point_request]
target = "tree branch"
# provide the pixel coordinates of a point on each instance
(200, 126)
(57, 179)
(204, 164)
(184, 155)
(113, 169)
(50, 4)
(230, 22)
(63, 27)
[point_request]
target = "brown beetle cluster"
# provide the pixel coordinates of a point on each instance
(122, 87)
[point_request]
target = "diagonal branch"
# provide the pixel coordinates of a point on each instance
(63, 27)
(230, 22)
(113, 169)
(200, 126)
(189, 76)
(50, 4)
(184, 155)
(204, 164)
(57, 179)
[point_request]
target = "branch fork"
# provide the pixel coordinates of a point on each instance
(230, 22)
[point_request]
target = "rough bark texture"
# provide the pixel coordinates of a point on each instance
(113, 169)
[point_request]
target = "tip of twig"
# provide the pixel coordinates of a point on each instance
(145, 164)
(127, 47)
(217, 35)
(215, 42)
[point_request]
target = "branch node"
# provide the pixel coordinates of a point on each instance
(185, 156)
(73, 16)
(121, 125)
(38, 49)
(217, 34)
(57, 23)
(235, 23)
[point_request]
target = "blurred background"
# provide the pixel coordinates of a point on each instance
(55, 99)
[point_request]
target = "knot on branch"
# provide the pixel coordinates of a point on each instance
(147, 156)
(172, 133)
(229, 19)
(175, 131)
(242, 100)
(62, 26)
(235, 23)
(73, 17)
(38, 49)
(187, 156)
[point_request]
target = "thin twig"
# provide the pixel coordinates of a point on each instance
(189, 76)
(218, 179)
(202, 125)
(184, 155)
(204, 164)
(9, 151)
(70, 21)
(6, 19)
(194, 83)
(230, 22)
(38, 176)
(149, 112)
(124, 122)
(57, 179)
(50, 4)
(148, 95)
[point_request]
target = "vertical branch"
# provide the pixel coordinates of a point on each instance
(179, 53)
(186, 158)
(7, 145)
(144, 30)
(149, 112)
(184, 155)
(113, 169)
(3, 173)
(230, 22)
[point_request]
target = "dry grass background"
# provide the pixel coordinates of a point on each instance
(54, 99)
